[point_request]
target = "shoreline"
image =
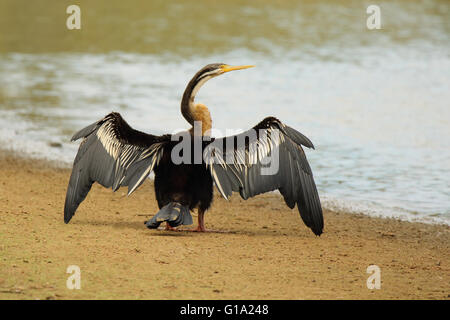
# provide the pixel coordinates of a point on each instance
(266, 252)
(376, 212)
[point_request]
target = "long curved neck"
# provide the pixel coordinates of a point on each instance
(195, 112)
(187, 102)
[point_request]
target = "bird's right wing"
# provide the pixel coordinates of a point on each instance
(112, 154)
(265, 158)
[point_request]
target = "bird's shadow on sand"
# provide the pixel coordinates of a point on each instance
(185, 232)
(115, 224)
(140, 225)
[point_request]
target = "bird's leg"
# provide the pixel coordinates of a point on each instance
(169, 228)
(201, 221)
(201, 224)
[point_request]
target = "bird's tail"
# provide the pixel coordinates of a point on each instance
(174, 213)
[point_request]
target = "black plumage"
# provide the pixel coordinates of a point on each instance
(114, 155)
(294, 178)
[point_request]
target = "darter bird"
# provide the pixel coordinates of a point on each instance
(115, 155)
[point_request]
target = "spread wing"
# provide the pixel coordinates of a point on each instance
(112, 154)
(265, 158)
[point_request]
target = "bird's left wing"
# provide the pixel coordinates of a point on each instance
(112, 154)
(265, 158)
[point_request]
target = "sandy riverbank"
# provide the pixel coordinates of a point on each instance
(267, 252)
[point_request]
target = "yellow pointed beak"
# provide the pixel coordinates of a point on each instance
(226, 68)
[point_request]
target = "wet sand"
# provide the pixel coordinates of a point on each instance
(265, 251)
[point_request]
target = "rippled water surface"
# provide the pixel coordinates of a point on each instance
(375, 103)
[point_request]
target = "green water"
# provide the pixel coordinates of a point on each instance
(184, 28)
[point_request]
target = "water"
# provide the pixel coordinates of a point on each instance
(374, 103)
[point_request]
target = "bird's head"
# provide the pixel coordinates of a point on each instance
(208, 72)
(216, 69)
(188, 108)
